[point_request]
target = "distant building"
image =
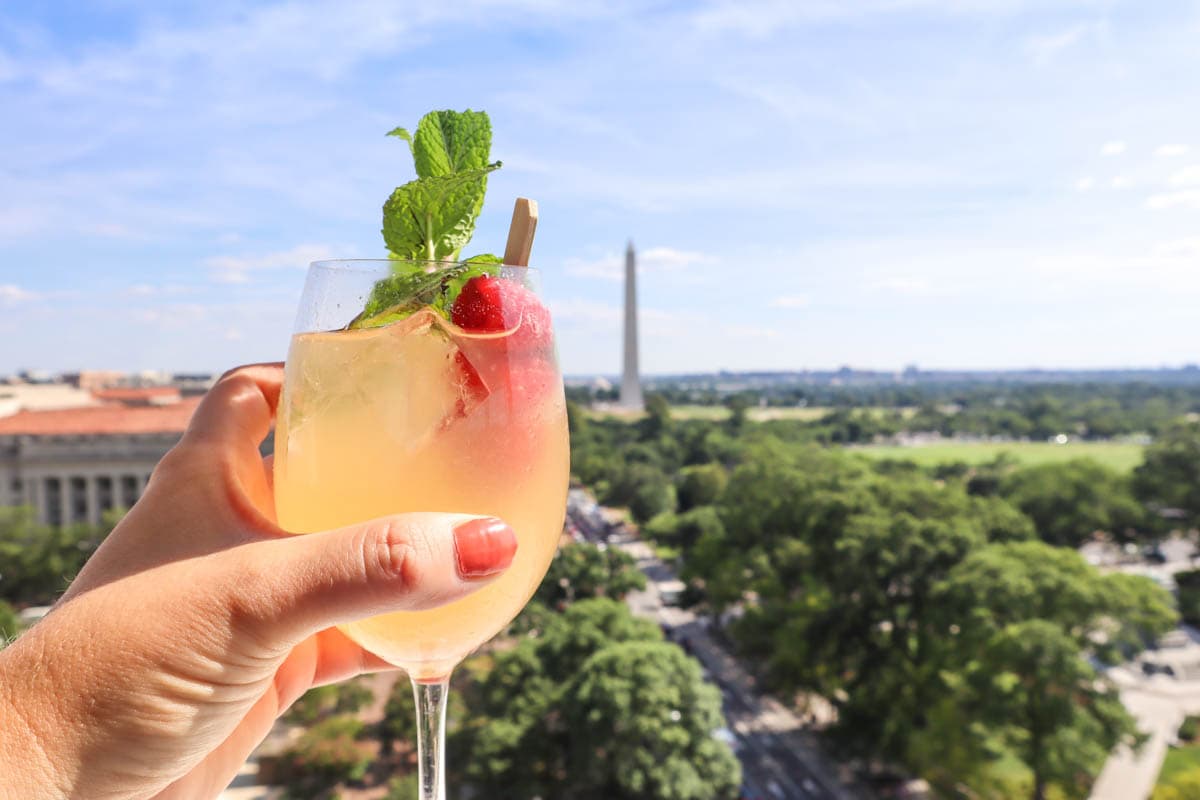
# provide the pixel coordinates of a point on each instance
(91, 380)
(42, 397)
(141, 396)
(73, 464)
(631, 382)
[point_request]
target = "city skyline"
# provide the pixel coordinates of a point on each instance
(958, 185)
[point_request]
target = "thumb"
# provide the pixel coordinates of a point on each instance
(287, 589)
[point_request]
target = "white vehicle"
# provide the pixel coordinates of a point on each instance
(670, 591)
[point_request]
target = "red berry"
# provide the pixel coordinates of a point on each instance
(490, 304)
(480, 306)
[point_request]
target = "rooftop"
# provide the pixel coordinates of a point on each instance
(142, 395)
(101, 420)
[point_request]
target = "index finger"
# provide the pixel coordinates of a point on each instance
(240, 407)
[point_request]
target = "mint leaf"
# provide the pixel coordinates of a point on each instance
(452, 141)
(398, 296)
(431, 218)
(402, 133)
(484, 258)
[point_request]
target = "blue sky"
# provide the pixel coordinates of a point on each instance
(811, 183)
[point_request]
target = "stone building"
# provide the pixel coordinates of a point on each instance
(73, 464)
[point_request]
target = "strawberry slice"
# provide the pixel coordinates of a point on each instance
(488, 304)
(480, 306)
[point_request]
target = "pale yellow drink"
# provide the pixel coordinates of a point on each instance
(418, 416)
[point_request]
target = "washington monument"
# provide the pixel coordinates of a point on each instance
(631, 385)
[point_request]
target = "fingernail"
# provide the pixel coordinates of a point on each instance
(484, 547)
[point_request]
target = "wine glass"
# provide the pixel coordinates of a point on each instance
(421, 414)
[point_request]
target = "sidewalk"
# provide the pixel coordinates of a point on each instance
(1159, 705)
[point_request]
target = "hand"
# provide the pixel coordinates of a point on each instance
(199, 620)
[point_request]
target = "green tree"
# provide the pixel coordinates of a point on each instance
(657, 421)
(586, 627)
(1069, 501)
(739, 407)
(1006, 584)
(327, 754)
(1023, 617)
(1051, 708)
(10, 624)
(335, 698)
(837, 568)
(642, 722)
(581, 570)
(644, 488)
(1187, 585)
(686, 529)
(38, 561)
(1001, 521)
(1168, 480)
(597, 676)
(701, 485)
(405, 787)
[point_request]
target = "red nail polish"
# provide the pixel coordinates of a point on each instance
(484, 547)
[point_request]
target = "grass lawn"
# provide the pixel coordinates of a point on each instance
(1120, 456)
(718, 413)
(1179, 759)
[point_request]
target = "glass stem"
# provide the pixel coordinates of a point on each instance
(430, 700)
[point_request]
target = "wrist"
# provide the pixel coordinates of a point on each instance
(25, 759)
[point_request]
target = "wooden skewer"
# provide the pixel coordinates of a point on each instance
(520, 233)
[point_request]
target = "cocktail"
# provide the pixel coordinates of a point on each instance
(459, 410)
(427, 385)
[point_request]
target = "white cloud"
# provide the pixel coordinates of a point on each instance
(749, 332)
(153, 290)
(790, 301)
(1188, 176)
(1084, 184)
(1113, 148)
(572, 311)
(907, 285)
(1120, 182)
(11, 295)
(759, 19)
(174, 315)
(599, 126)
(237, 269)
(1043, 49)
(656, 259)
(790, 102)
(1189, 198)
(1171, 150)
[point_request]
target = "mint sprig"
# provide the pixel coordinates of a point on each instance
(398, 296)
(432, 218)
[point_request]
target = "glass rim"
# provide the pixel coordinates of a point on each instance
(377, 264)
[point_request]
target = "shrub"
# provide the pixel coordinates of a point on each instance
(9, 623)
(323, 701)
(327, 754)
(1190, 728)
(1188, 594)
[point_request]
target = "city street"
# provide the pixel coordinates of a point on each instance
(780, 760)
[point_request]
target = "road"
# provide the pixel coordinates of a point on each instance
(780, 759)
